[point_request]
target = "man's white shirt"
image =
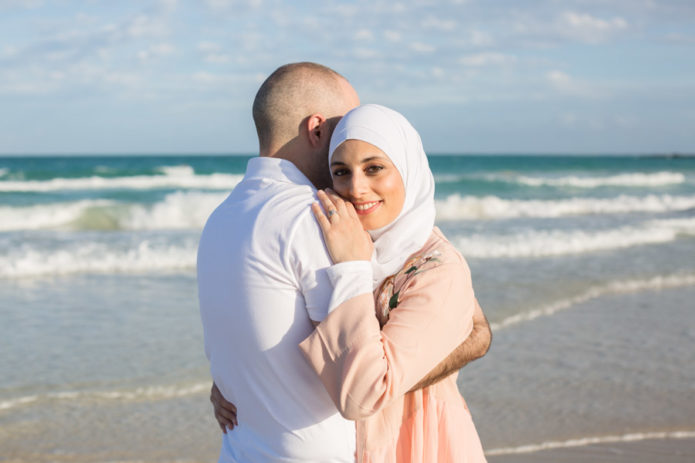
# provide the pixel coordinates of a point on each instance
(263, 273)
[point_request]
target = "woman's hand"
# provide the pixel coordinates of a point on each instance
(343, 233)
(225, 412)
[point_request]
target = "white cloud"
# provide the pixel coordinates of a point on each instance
(364, 34)
(218, 5)
(564, 83)
(439, 24)
(488, 59)
(213, 53)
(675, 37)
(216, 58)
(145, 26)
(392, 36)
(422, 47)
(590, 23)
(29, 4)
(587, 28)
(169, 5)
(123, 79)
(205, 77)
(9, 51)
(209, 47)
(155, 51)
(559, 79)
(344, 11)
(366, 53)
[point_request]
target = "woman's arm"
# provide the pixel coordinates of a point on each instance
(364, 368)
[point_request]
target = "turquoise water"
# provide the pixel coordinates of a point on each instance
(101, 342)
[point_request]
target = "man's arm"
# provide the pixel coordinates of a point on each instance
(475, 346)
(224, 411)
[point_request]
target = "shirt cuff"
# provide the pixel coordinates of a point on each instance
(349, 279)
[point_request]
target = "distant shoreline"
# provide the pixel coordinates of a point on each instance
(433, 154)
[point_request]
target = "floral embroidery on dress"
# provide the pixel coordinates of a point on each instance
(387, 298)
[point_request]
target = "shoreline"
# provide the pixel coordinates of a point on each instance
(668, 449)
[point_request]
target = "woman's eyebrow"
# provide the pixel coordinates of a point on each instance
(370, 158)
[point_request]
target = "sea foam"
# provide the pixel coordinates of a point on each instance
(616, 287)
(159, 392)
(548, 243)
(636, 179)
(97, 257)
(179, 177)
(179, 210)
(584, 441)
(190, 209)
(456, 207)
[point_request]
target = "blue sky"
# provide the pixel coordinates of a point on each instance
(473, 76)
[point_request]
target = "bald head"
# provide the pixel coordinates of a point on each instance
(293, 92)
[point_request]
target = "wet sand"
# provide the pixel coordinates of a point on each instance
(645, 451)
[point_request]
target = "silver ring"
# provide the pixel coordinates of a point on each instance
(331, 213)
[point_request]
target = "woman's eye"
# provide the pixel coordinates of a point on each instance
(339, 172)
(374, 169)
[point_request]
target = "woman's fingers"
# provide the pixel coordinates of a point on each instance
(323, 221)
(327, 203)
(337, 201)
(351, 212)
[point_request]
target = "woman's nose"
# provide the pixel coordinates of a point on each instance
(358, 184)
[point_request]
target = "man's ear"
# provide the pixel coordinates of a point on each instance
(316, 129)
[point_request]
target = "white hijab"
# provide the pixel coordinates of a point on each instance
(389, 131)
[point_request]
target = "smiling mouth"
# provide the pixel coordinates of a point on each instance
(366, 208)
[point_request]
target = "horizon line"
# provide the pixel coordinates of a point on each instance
(674, 154)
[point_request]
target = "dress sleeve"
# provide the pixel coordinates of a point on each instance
(323, 286)
(365, 368)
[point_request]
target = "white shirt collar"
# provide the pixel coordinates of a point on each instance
(280, 170)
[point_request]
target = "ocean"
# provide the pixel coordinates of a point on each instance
(584, 265)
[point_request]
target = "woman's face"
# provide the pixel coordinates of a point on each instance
(365, 176)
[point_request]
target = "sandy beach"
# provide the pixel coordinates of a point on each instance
(645, 451)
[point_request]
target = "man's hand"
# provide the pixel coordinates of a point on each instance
(225, 412)
(475, 346)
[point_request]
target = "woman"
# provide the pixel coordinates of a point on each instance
(416, 283)
(368, 364)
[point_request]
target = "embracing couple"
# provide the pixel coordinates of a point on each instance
(336, 319)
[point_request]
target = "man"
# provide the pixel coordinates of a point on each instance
(262, 281)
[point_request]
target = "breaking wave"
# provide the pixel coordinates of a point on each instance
(616, 287)
(180, 210)
(141, 393)
(636, 179)
(190, 209)
(560, 242)
(456, 207)
(79, 257)
(584, 441)
(172, 177)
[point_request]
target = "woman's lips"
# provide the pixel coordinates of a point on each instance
(366, 208)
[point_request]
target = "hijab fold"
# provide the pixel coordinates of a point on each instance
(389, 131)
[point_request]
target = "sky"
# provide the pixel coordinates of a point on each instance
(473, 76)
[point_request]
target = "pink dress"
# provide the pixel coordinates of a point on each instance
(368, 369)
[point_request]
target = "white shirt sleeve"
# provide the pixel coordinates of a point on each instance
(349, 279)
(323, 285)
